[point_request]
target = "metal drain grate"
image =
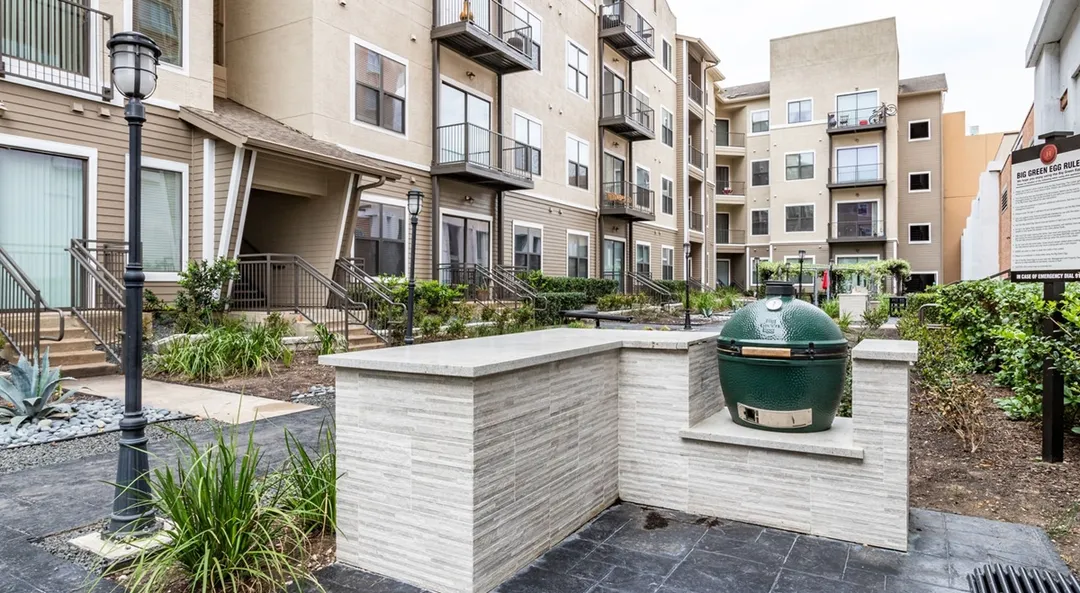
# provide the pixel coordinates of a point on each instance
(997, 578)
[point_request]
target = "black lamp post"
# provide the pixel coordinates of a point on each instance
(134, 73)
(802, 256)
(416, 204)
(686, 307)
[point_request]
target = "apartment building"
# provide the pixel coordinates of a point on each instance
(835, 156)
(1025, 138)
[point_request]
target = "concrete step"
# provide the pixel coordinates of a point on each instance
(361, 340)
(366, 346)
(76, 358)
(68, 344)
(94, 369)
(71, 332)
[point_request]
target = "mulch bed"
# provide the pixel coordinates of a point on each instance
(279, 383)
(1004, 479)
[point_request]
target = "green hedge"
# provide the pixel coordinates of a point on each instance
(677, 288)
(592, 288)
(549, 304)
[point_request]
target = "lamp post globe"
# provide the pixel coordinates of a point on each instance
(134, 74)
(415, 205)
(686, 288)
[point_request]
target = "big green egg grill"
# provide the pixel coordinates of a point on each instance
(782, 363)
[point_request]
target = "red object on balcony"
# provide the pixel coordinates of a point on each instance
(727, 190)
(864, 122)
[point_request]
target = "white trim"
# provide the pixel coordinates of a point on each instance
(514, 224)
(813, 122)
(588, 250)
(929, 182)
(812, 218)
(937, 276)
(716, 278)
(836, 97)
(464, 87)
(648, 245)
(662, 179)
(617, 240)
(751, 232)
(230, 202)
(244, 208)
(463, 214)
(384, 201)
(837, 258)
(836, 159)
(466, 215)
(750, 123)
(787, 110)
(799, 242)
(345, 214)
(750, 266)
(185, 37)
(654, 225)
(557, 201)
(799, 152)
(929, 233)
(660, 58)
(588, 70)
(664, 110)
(770, 172)
(836, 210)
(163, 103)
(566, 161)
(175, 167)
(929, 133)
(209, 197)
(516, 113)
(536, 16)
(72, 150)
(389, 159)
(672, 250)
(353, 42)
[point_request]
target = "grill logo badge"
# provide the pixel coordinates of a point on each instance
(1048, 153)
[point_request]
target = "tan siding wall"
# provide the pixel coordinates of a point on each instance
(921, 207)
(556, 221)
(195, 194)
(399, 190)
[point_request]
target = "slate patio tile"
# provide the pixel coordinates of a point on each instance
(819, 556)
(591, 570)
(769, 548)
(565, 556)
(350, 578)
(610, 521)
(897, 585)
(871, 580)
(705, 572)
(625, 580)
(736, 529)
(791, 581)
(668, 538)
(933, 570)
(633, 560)
(538, 580)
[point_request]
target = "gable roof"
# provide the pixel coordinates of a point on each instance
(742, 91)
(923, 84)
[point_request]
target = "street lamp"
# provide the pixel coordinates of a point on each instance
(686, 307)
(416, 204)
(134, 73)
(802, 256)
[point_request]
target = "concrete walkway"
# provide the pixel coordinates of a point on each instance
(224, 406)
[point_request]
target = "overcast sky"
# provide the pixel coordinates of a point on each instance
(978, 45)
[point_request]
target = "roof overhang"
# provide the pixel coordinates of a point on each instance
(707, 54)
(1054, 16)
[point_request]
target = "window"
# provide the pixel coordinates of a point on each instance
(667, 195)
(577, 162)
(800, 111)
(920, 281)
(754, 268)
(666, 56)
(162, 21)
(379, 239)
(380, 90)
(162, 222)
(799, 219)
(577, 69)
(857, 219)
(808, 276)
(667, 127)
(537, 30)
(464, 241)
(530, 132)
(855, 109)
(577, 255)
(799, 166)
(857, 163)
(644, 259)
(918, 233)
(1005, 199)
(759, 173)
(667, 263)
(919, 130)
(643, 181)
(528, 247)
(759, 222)
(919, 182)
(759, 122)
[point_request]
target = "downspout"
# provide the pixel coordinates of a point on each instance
(631, 247)
(500, 195)
(600, 158)
(436, 87)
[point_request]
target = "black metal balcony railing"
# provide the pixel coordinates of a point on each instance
(625, 104)
(473, 145)
(857, 174)
(696, 94)
(730, 237)
(56, 42)
(726, 187)
(858, 229)
(732, 139)
(625, 27)
(697, 222)
(864, 117)
(620, 194)
(697, 158)
(493, 18)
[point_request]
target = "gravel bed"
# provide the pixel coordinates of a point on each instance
(20, 458)
(317, 395)
(90, 417)
(57, 545)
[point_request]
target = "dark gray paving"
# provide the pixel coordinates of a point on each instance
(631, 549)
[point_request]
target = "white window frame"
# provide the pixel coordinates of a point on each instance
(813, 218)
(669, 249)
(537, 121)
(811, 259)
(566, 164)
(856, 147)
(750, 123)
(527, 225)
(534, 15)
(750, 269)
(643, 168)
(185, 239)
(929, 132)
(664, 110)
(664, 178)
(185, 36)
(799, 152)
(566, 64)
(929, 233)
(752, 184)
(383, 201)
(836, 206)
(648, 246)
(929, 182)
(473, 216)
(353, 42)
(787, 109)
(669, 68)
(836, 98)
(768, 223)
(588, 251)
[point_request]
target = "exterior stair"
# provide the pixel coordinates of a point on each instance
(360, 338)
(75, 355)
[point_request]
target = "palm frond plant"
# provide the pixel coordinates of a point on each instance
(32, 392)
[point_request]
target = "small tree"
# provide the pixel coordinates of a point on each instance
(203, 291)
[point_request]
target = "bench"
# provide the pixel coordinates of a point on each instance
(595, 315)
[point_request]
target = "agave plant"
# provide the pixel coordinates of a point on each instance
(30, 392)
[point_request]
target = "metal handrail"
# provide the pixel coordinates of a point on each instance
(620, 14)
(21, 325)
(857, 229)
(466, 143)
(696, 284)
(857, 118)
(731, 139)
(97, 296)
(697, 95)
(477, 277)
(624, 103)
(621, 194)
(380, 306)
(509, 275)
(697, 222)
(728, 187)
(865, 173)
(697, 158)
(730, 236)
(491, 17)
(658, 293)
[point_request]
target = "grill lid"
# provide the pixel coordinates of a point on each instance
(782, 327)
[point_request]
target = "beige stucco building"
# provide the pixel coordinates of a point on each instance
(835, 156)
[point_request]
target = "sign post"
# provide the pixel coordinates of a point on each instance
(1046, 248)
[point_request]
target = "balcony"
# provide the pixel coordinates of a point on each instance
(627, 201)
(860, 231)
(697, 222)
(60, 43)
(473, 154)
(730, 237)
(697, 96)
(730, 192)
(695, 157)
(852, 176)
(867, 119)
(731, 144)
(488, 33)
(626, 115)
(626, 31)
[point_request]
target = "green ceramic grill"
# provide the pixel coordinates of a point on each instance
(782, 364)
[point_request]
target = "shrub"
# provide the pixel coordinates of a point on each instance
(152, 303)
(33, 392)
(309, 483)
(831, 308)
(431, 297)
(593, 288)
(550, 304)
(705, 303)
(875, 317)
(327, 341)
(621, 302)
(202, 296)
(430, 327)
(457, 329)
(223, 351)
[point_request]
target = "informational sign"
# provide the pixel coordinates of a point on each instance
(1046, 212)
